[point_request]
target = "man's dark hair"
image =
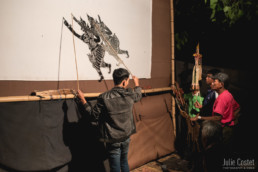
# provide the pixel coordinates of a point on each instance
(213, 71)
(211, 132)
(119, 75)
(226, 84)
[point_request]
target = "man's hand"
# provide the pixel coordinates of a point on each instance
(194, 118)
(80, 95)
(197, 105)
(136, 81)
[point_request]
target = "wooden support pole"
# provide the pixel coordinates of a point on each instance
(173, 62)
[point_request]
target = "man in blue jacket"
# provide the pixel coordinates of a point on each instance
(113, 112)
(207, 105)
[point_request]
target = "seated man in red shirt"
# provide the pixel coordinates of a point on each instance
(225, 109)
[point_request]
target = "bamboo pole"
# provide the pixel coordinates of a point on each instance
(173, 62)
(68, 96)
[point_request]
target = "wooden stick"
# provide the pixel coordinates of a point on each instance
(75, 56)
(68, 96)
(173, 63)
(60, 51)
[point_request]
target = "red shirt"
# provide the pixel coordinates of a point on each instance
(225, 105)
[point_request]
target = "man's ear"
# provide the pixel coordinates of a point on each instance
(221, 84)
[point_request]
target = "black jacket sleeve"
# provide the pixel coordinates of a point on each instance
(96, 110)
(137, 94)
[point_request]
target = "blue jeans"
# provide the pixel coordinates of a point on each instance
(117, 156)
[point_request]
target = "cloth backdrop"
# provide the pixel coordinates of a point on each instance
(45, 135)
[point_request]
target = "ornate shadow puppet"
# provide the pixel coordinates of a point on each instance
(111, 41)
(99, 39)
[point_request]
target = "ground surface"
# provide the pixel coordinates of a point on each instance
(170, 163)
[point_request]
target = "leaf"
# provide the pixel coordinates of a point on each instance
(226, 9)
(213, 5)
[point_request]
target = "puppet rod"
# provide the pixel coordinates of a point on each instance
(75, 57)
(68, 96)
(59, 60)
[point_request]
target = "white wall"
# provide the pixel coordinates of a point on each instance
(30, 35)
